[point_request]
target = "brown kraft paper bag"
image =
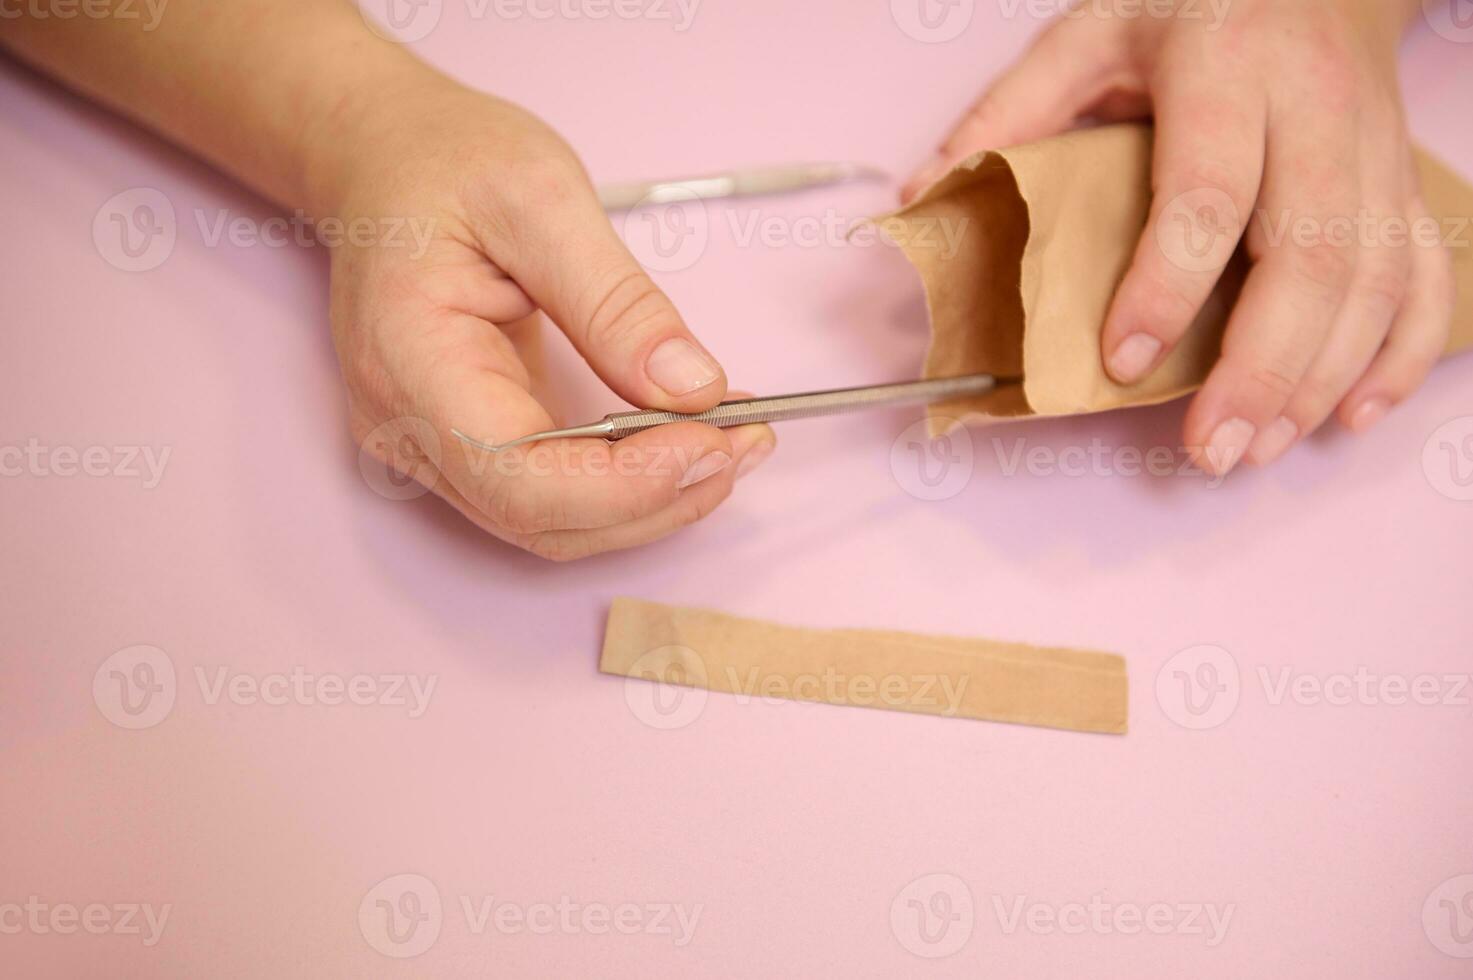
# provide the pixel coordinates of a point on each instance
(1047, 232)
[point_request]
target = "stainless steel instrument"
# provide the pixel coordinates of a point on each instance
(735, 183)
(747, 411)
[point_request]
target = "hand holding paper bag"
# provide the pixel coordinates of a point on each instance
(1279, 123)
(1052, 226)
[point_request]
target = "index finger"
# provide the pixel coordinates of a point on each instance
(1207, 171)
(563, 484)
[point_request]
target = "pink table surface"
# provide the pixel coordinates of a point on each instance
(804, 840)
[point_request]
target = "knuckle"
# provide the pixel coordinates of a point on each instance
(1337, 87)
(1220, 178)
(544, 182)
(987, 109)
(513, 211)
(1424, 343)
(1066, 37)
(636, 500)
(1274, 380)
(692, 510)
(1322, 270)
(1166, 306)
(1399, 379)
(701, 509)
(513, 505)
(626, 307)
(1330, 66)
(1316, 397)
(1324, 190)
(1437, 339)
(647, 498)
(1442, 279)
(685, 514)
(1383, 287)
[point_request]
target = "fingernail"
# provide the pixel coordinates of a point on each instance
(1371, 411)
(703, 469)
(1134, 357)
(754, 458)
(1228, 444)
(1273, 442)
(680, 367)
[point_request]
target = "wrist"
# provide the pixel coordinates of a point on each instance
(364, 117)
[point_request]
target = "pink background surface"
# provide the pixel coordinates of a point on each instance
(795, 828)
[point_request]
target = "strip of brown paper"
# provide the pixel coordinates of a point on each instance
(985, 680)
(1047, 233)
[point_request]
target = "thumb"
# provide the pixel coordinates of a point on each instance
(570, 262)
(1067, 69)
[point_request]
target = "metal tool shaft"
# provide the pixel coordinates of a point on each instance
(781, 408)
(736, 183)
(805, 406)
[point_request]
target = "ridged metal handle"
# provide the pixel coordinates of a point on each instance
(806, 406)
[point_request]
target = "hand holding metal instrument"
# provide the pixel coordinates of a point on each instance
(747, 411)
